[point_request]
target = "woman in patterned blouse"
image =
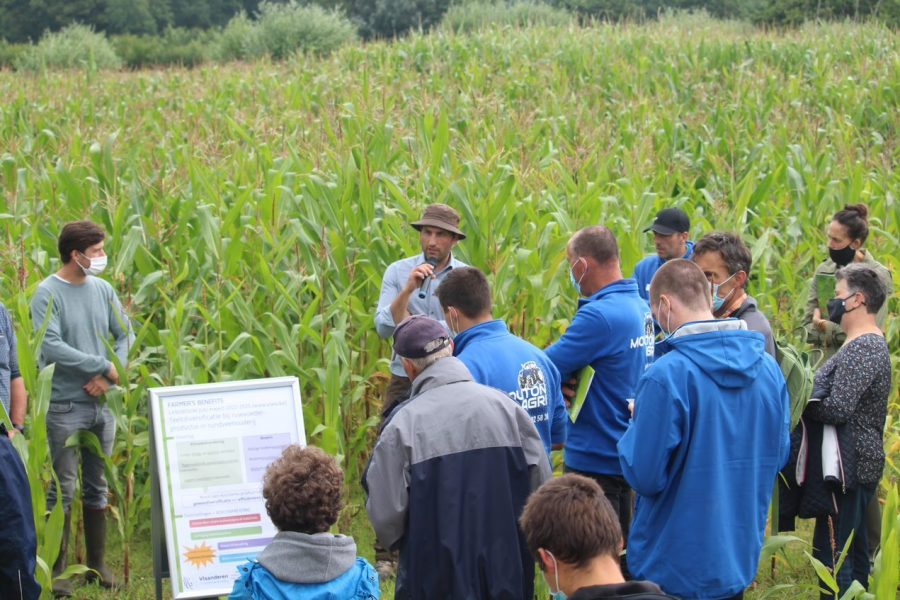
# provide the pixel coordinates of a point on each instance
(852, 389)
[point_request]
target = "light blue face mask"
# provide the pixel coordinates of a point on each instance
(718, 302)
(453, 332)
(558, 594)
(667, 331)
(576, 283)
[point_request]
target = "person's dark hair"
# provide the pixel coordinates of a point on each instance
(734, 252)
(78, 235)
(570, 517)
(855, 219)
(598, 242)
(302, 489)
(864, 280)
(684, 280)
(467, 290)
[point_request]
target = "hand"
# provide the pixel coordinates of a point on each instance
(97, 386)
(11, 433)
(418, 275)
(631, 408)
(817, 320)
(568, 391)
(112, 374)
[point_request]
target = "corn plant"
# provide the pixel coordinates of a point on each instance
(252, 208)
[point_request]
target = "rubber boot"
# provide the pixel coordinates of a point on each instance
(95, 542)
(63, 587)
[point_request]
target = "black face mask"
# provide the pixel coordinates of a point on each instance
(837, 309)
(843, 256)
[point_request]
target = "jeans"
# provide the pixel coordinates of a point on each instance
(64, 419)
(619, 494)
(851, 518)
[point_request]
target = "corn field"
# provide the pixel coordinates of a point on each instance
(252, 209)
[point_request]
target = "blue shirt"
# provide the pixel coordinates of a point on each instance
(521, 370)
(613, 333)
(395, 278)
(9, 358)
(647, 268)
(710, 432)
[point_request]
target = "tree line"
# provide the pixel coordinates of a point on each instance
(27, 20)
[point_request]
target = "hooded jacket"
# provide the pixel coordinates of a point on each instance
(320, 566)
(522, 371)
(447, 481)
(613, 333)
(710, 432)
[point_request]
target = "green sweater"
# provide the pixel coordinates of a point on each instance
(833, 338)
(84, 318)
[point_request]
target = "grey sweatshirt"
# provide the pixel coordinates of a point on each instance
(308, 558)
(83, 319)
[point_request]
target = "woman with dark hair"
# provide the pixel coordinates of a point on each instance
(849, 407)
(847, 233)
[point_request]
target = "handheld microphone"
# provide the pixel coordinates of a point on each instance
(426, 283)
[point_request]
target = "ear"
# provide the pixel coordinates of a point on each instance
(544, 561)
(408, 368)
(740, 279)
(856, 244)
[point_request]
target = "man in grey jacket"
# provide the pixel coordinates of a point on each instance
(450, 475)
(83, 316)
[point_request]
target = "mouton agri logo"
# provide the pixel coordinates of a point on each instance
(532, 392)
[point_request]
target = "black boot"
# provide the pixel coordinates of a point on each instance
(62, 588)
(95, 541)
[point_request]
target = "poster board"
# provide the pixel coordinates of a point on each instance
(212, 444)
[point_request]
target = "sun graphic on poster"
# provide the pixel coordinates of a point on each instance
(200, 556)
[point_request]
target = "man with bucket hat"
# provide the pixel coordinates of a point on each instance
(450, 475)
(408, 287)
(671, 229)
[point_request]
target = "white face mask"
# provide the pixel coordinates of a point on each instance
(98, 264)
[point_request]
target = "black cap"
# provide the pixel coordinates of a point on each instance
(669, 221)
(419, 336)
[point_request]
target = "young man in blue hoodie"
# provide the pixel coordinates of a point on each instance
(613, 333)
(710, 432)
(497, 358)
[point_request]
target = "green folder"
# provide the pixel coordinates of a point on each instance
(585, 377)
(824, 291)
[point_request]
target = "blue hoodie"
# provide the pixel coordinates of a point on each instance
(647, 268)
(710, 433)
(613, 332)
(522, 371)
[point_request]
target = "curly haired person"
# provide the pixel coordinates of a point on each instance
(303, 498)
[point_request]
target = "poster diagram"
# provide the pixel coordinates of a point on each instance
(214, 442)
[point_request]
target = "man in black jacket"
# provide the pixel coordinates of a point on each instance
(574, 535)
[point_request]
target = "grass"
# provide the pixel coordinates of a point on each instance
(253, 207)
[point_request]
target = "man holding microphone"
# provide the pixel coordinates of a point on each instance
(408, 287)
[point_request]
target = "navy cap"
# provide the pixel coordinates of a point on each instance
(669, 221)
(419, 336)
